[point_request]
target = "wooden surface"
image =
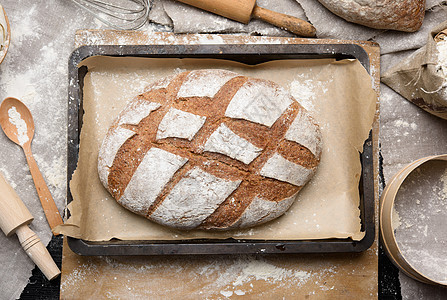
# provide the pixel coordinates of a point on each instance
(334, 276)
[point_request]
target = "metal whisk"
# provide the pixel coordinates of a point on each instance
(118, 14)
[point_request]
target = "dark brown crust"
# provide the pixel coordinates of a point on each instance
(297, 153)
(271, 140)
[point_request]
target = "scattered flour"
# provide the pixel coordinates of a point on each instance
(395, 219)
(405, 124)
(219, 277)
(22, 130)
(227, 293)
(442, 57)
(261, 270)
(54, 172)
(444, 186)
(152, 37)
(7, 176)
(304, 91)
(442, 63)
(421, 206)
(75, 280)
(27, 28)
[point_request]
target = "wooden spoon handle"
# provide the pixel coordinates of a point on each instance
(289, 23)
(49, 207)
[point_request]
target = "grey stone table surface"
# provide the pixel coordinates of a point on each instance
(35, 71)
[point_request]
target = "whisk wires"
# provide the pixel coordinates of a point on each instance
(121, 15)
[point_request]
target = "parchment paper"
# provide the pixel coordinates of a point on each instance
(342, 101)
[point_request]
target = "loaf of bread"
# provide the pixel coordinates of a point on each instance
(210, 149)
(403, 15)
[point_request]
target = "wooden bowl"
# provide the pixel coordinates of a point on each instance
(7, 39)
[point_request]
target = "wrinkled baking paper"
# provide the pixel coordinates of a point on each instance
(327, 207)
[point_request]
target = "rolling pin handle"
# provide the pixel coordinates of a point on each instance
(37, 252)
(289, 23)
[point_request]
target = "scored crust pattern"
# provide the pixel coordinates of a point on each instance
(210, 149)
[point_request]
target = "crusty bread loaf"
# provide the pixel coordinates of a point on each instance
(403, 15)
(210, 149)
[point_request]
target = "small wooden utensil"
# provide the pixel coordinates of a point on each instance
(12, 132)
(14, 218)
(243, 10)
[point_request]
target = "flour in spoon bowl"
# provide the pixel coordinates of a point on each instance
(22, 130)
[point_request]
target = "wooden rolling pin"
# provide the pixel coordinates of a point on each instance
(243, 10)
(15, 218)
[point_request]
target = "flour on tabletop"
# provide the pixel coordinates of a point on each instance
(227, 293)
(22, 130)
(98, 22)
(443, 192)
(75, 280)
(261, 270)
(18, 85)
(8, 178)
(149, 38)
(27, 28)
(54, 170)
(405, 124)
(227, 276)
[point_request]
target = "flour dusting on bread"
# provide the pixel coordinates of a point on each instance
(210, 149)
(152, 183)
(179, 124)
(226, 142)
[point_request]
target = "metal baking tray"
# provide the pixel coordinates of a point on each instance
(248, 54)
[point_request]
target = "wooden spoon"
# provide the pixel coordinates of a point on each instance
(17, 123)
